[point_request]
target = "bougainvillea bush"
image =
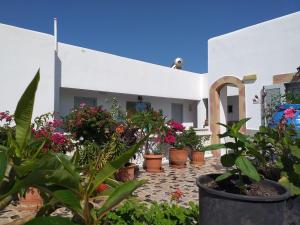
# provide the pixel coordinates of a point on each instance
(90, 123)
(6, 120)
(174, 135)
(49, 130)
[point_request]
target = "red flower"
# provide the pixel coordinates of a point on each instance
(176, 126)
(58, 138)
(102, 187)
(120, 129)
(170, 139)
(57, 123)
(289, 113)
(176, 195)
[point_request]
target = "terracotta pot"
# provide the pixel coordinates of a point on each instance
(198, 158)
(126, 173)
(178, 157)
(153, 163)
(32, 200)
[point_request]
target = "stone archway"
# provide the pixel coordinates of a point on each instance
(214, 105)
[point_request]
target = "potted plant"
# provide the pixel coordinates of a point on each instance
(174, 136)
(240, 195)
(124, 137)
(153, 158)
(153, 122)
(196, 144)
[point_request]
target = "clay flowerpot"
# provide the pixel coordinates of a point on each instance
(153, 163)
(126, 173)
(32, 199)
(198, 158)
(178, 157)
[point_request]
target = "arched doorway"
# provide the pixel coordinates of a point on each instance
(214, 102)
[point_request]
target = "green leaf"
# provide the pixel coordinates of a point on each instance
(214, 147)
(228, 160)
(297, 168)
(118, 195)
(23, 114)
(294, 190)
(247, 168)
(295, 150)
(110, 168)
(53, 220)
(223, 176)
(237, 126)
(68, 198)
(223, 125)
(3, 164)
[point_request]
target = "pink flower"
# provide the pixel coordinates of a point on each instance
(176, 126)
(57, 123)
(289, 113)
(8, 118)
(170, 139)
(58, 138)
(82, 105)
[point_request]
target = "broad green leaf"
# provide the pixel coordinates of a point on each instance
(297, 168)
(295, 150)
(237, 126)
(53, 220)
(118, 195)
(294, 190)
(69, 199)
(23, 114)
(223, 176)
(228, 160)
(241, 137)
(214, 147)
(247, 167)
(110, 168)
(3, 164)
(224, 125)
(112, 182)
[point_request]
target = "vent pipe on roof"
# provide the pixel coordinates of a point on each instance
(55, 34)
(177, 63)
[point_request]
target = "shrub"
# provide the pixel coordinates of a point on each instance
(133, 212)
(90, 123)
(48, 130)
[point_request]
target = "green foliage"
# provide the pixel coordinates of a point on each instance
(90, 123)
(116, 111)
(136, 213)
(55, 220)
(194, 141)
(57, 177)
(281, 150)
(150, 122)
(239, 152)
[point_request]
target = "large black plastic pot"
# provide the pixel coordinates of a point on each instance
(222, 208)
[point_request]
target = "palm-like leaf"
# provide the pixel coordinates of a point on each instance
(23, 114)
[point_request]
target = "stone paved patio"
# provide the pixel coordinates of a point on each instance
(158, 188)
(160, 185)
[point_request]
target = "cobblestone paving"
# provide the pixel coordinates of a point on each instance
(160, 185)
(158, 188)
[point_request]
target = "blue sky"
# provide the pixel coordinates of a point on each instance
(155, 31)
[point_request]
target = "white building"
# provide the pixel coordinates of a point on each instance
(72, 74)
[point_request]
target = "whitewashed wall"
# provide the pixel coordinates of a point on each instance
(265, 49)
(22, 53)
(92, 70)
(104, 99)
